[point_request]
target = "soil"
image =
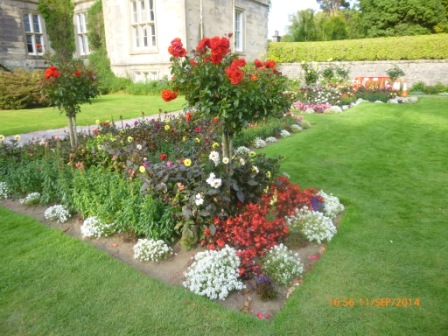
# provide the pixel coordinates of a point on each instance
(171, 271)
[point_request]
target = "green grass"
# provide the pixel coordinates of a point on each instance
(387, 163)
(106, 107)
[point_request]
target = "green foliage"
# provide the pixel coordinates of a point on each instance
(95, 26)
(401, 18)
(421, 87)
(19, 89)
(411, 48)
(151, 88)
(58, 15)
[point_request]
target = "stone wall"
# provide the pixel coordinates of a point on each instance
(428, 71)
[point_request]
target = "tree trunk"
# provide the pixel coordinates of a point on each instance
(227, 148)
(72, 130)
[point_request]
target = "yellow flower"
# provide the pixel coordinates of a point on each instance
(215, 145)
(142, 169)
(130, 139)
(268, 174)
(2, 138)
(97, 122)
(17, 137)
(198, 140)
(167, 127)
(187, 162)
(266, 190)
(252, 154)
(184, 138)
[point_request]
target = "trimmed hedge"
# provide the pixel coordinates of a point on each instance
(372, 49)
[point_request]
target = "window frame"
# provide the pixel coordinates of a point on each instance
(82, 40)
(239, 28)
(142, 25)
(34, 33)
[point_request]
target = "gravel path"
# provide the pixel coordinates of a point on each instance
(63, 132)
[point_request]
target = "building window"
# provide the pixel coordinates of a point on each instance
(239, 30)
(34, 36)
(143, 27)
(81, 34)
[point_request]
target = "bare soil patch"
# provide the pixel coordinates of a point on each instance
(171, 271)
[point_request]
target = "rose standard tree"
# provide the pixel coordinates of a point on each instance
(67, 86)
(219, 84)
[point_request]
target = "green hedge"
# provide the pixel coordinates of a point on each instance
(373, 49)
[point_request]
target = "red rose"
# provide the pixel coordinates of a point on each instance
(215, 120)
(168, 95)
(163, 157)
(51, 71)
(205, 42)
(95, 131)
(258, 63)
(77, 73)
(188, 116)
(269, 64)
(176, 48)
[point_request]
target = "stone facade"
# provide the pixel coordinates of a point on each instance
(17, 47)
(428, 71)
(138, 32)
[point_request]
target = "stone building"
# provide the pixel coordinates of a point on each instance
(138, 32)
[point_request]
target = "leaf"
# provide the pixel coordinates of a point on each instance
(252, 183)
(240, 196)
(186, 212)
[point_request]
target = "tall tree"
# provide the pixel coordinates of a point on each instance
(401, 17)
(58, 15)
(332, 7)
(303, 27)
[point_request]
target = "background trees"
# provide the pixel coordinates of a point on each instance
(368, 18)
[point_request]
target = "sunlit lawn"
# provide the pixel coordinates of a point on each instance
(104, 108)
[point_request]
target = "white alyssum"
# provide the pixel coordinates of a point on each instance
(92, 227)
(213, 181)
(4, 190)
(284, 133)
(31, 198)
(314, 225)
(281, 264)
(198, 199)
(296, 128)
(333, 109)
(242, 150)
(57, 213)
(271, 140)
(214, 274)
(332, 205)
(259, 143)
(214, 156)
(152, 250)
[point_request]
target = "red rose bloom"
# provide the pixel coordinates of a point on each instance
(51, 71)
(163, 157)
(168, 95)
(205, 42)
(176, 48)
(215, 120)
(188, 116)
(269, 64)
(77, 73)
(258, 63)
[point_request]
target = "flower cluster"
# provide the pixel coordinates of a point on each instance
(31, 199)
(314, 225)
(259, 143)
(284, 133)
(311, 108)
(214, 274)
(213, 181)
(296, 128)
(271, 140)
(51, 71)
(4, 190)
(94, 227)
(242, 150)
(282, 265)
(214, 156)
(152, 250)
(168, 95)
(234, 73)
(219, 47)
(176, 48)
(332, 206)
(57, 213)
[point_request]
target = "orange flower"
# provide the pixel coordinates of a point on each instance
(168, 95)
(188, 116)
(253, 77)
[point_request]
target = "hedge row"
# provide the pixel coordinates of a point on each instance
(372, 49)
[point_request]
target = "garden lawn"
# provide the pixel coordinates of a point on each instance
(387, 164)
(106, 107)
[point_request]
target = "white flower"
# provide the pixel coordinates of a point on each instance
(225, 160)
(93, 227)
(139, 147)
(4, 190)
(214, 156)
(213, 181)
(296, 128)
(284, 133)
(271, 140)
(332, 205)
(57, 213)
(255, 170)
(31, 198)
(151, 250)
(199, 200)
(259, 143)
(242, 150)
(281, 264)
(214, 274)
(242, 162)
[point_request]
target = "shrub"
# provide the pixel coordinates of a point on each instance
(151, 250)
(19, 90)
(214, 273)
(281, 264)
(31, 199)
(4, 191)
